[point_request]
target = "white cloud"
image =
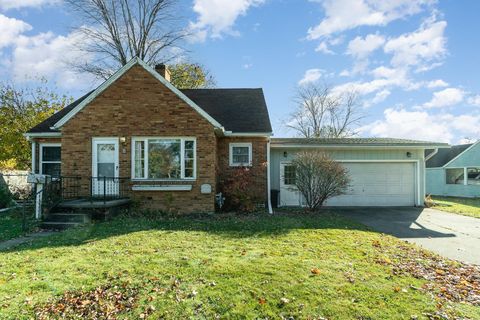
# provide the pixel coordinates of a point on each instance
(466, 141)
(419, 48)
(418, 125)
(217, 17)
(362, 47)
(342, 15)
(445, 98)
(474, 100)
(10, 29)
(439, 83)
(311, 75)
(323, 47)
(48, 55)
(17, 4)
(384, 78)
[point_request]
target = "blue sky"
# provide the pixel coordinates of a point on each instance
(413, 63)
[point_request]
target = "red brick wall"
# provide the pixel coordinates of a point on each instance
(259, 160)
(137, 104)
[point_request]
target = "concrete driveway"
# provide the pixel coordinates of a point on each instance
(450, 235)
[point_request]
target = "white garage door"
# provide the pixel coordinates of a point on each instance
(373, 184)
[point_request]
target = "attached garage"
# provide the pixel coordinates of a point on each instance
(383, 172)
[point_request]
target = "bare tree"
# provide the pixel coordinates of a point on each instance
(319, 178)
(323, 113)
(114, 31)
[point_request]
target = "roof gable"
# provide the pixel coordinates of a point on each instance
(234, 111)
(88, 98)
(469, 157)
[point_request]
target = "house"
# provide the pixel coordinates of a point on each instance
(455, 172)
(138, 136)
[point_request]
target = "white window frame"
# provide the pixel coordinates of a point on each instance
(182, 158)
(241, 145)
(40, 158)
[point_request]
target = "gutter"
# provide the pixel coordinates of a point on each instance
(28, 136)
(247, 134)
(269, 196)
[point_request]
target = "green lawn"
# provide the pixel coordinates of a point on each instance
(227, 267)
(464, 206)
(11, 224)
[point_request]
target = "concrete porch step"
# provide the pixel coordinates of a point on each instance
(64, 220)
(68, 217)
(59, 225)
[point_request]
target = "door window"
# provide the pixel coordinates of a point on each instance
(106, 160)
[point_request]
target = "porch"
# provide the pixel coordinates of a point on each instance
(73, 200)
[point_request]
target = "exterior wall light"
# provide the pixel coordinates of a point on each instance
(285, 154)
(123, 139)
(409, 154)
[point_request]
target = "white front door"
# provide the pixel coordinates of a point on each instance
(289, 194)
(105, 167)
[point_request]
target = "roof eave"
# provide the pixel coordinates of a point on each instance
(356, 146)
(30, 135)
(247, 134)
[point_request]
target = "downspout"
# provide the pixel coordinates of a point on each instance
(430, 155)
(34, 159)
(269, 196)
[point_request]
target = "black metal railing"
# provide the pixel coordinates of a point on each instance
(108, 188)
(71, 187)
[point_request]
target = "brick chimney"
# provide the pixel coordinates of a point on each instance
(162, 69)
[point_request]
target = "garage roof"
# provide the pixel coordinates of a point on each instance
(374, 142)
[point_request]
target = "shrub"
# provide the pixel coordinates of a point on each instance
(239, 194)
(5, 196)
(319, 178)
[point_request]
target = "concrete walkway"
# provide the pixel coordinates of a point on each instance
(5, 245)
(450, 235)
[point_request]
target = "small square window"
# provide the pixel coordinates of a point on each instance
(240, 154)
(473, 175)
(454, 176)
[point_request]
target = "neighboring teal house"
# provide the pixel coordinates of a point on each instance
(454, 172)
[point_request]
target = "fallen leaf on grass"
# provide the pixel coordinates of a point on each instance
(315, 271)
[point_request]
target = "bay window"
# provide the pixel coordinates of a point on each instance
(163, 158)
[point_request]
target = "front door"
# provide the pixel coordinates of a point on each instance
(105, 168)
(289, 194)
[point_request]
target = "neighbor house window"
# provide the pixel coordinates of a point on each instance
(50, 159)
(473, 175)
(240, 154)
(164, 158)
(454, 176)
(289, 175)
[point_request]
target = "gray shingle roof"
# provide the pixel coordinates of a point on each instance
(44, 126)
(237, 110)
(446, 155)
(355, 141)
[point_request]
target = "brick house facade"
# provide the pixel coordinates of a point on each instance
(139, 109)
